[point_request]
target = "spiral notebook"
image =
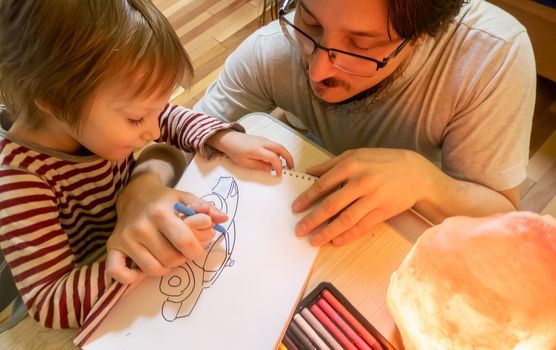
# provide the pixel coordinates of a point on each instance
(241, 294)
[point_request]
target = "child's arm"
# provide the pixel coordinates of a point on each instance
(145, 209)
(56, 283)
(149, 202)
(166, 161)
(189, 130)
(251, 151)
(193, 131)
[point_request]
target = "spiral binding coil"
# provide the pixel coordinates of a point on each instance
(297, 175)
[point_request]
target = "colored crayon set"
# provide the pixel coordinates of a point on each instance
(326, 320)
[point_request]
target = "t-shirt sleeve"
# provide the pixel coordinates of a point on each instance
(487, 141)
(56, 291)
(241, 87)
(189, 130)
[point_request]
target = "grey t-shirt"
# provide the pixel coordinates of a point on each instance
(464, 100)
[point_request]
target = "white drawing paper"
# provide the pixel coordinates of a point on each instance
(241, 294)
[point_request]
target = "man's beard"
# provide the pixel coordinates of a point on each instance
(363, 101)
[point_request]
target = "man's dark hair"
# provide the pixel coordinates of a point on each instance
(410, 18)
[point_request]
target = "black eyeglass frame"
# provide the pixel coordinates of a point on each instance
(379, 63)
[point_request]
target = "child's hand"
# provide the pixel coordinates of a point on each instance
(152, 235)
(202, 227)
(251, 151)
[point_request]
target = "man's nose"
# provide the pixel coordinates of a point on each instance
(320, 66)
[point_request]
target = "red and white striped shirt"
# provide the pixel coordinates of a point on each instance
(57, 210)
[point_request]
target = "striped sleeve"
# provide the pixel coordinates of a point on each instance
(99, 312)
(57, 293)
(189, 130)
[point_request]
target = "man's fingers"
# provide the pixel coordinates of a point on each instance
(347, 219)
(327, 209)
(319, 169)
(364, 226)
(117, 269)
(320, 187)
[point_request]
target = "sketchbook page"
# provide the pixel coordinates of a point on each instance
(241, 294)
(305, 152)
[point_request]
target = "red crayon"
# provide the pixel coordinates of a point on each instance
(359, 328)
(316, 310)
(329, 310)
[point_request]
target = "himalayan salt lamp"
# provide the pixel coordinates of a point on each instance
(479, 283)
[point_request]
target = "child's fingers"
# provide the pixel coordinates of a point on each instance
(216, 215)
(117, 269)
(282, 152)
(202, 206)
(256, 164)
(267, 157)
(176, 240)
(202, 227)
(205, 236)
(199, 221)
(162, 248)
(178, 232)
(276, 163)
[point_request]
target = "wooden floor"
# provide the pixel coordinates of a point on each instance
(538, 191)
(211, 29)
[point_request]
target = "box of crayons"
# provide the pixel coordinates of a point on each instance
(325, 319)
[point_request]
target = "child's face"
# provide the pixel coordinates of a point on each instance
(116, 122)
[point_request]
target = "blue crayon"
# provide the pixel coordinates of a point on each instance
(185, 210)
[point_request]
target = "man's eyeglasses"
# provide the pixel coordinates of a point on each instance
(348, 62)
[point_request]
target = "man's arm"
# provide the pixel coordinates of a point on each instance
(484, 157)
(456, 197)
(364, 187)
(243, 85)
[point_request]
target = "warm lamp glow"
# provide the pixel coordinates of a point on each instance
(479, 283)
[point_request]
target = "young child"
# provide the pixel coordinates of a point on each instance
(87, 82)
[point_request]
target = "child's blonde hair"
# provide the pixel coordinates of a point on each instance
(54, 53)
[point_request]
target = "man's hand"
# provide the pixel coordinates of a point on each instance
(361, 188)
(151, 234)
(251, 151)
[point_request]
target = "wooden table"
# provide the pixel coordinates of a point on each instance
(360, 270)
